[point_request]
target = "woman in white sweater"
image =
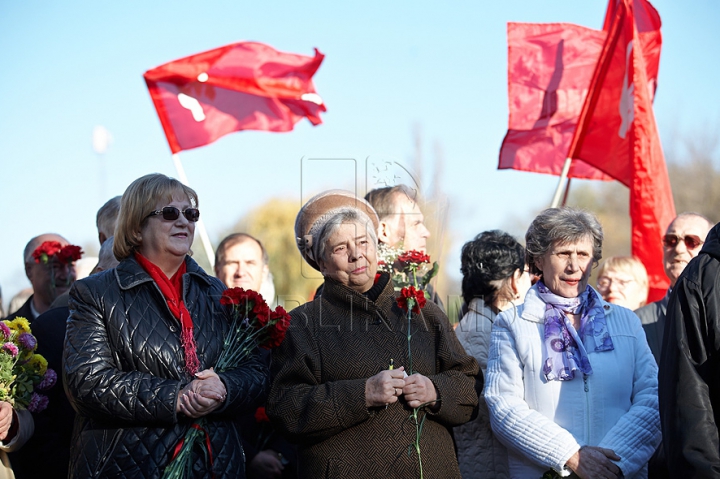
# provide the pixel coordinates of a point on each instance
(495, 278)
(571, 383)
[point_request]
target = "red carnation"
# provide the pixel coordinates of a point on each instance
(414, 257)
(280, 322)
(232, 296)
(261, 311)
(249, 303)
(413, 297)
(261, 415)
(69, 254)
(46, 250)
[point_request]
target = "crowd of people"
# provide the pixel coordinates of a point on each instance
(544, 376)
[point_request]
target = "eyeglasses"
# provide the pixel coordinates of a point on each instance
(170, 213)
(691, 241)
(604, 282)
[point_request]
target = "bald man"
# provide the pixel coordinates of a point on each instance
(48, 280)
(683, 241)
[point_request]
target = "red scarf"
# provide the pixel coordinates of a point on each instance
(172, 291)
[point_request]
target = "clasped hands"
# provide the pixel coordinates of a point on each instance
(592, 462)
(388, 385)
(202, 395)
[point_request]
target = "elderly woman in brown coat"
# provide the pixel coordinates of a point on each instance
(334, 392)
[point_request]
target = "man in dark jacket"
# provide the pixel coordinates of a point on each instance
(682, 242)
(690, 367)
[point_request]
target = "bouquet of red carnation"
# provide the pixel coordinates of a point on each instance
(50, 250)
(254, 325)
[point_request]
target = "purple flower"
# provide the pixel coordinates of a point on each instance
(10, 348)
(38, 402)
(27, 341)
(557, 345)
(48, 380)
(5, 330)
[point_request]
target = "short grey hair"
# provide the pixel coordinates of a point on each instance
(383, 199)
(106, 257)
(331, 225)
(561, 225)
(107, 216)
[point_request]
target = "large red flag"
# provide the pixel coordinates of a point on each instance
(647, 21)
(550, 66)
(242, 86)
(617, 134)
(549, 71)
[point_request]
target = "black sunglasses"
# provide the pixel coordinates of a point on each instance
(691, 241)
(170, 213)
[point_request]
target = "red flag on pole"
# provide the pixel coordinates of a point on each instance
(647, 21)
(617, 134)
(549, 71)
(242, 86)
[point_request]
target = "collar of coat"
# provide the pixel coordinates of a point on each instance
(129, 273)
(344, 297)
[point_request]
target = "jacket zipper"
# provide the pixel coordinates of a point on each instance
(587, 408)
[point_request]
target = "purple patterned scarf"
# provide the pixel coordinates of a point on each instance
(566, 350)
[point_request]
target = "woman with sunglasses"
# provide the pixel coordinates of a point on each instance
(140, 345)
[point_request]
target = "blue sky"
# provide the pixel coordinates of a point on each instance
(390, 67)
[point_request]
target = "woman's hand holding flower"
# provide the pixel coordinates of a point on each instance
(594, 462)
(419, 390)
(385, 387)
(202, 395)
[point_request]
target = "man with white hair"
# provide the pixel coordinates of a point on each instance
(49, 279)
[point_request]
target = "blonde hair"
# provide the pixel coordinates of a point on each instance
(138, 201)
(628, 265)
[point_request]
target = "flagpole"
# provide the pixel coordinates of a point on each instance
(563, 177)
(204, 238)
(567, 193)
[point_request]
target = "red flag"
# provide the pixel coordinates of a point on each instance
(617, 134)
(242, 86)
(549, 71)
(647, 21)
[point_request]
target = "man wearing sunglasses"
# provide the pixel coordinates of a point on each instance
(683, 241)
(689, 388)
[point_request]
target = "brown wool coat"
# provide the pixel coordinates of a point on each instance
(317, 398)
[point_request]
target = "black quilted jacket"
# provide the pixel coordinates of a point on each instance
(124, 367)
